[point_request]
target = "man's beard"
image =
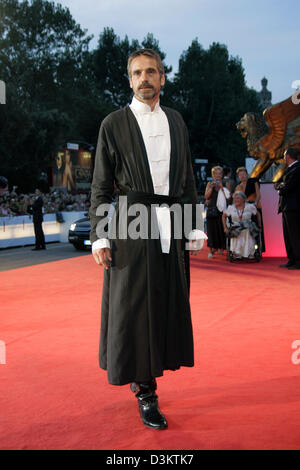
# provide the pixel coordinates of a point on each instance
(146, 91)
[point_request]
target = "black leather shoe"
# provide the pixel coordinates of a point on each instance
(287, 265)
(151, 415)
(294, 266)
(36, 249)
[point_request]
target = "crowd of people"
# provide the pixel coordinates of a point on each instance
(223, 195)
(14, 204)
(234, 211)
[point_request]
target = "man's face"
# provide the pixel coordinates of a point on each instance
(145, 79)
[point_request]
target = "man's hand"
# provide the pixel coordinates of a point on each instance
(102, 256)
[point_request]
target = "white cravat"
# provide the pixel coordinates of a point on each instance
(155, 130)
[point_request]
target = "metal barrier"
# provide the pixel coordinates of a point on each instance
(19, 231)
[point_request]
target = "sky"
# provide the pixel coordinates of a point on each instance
(265, 34)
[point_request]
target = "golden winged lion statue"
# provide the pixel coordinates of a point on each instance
(270, 134)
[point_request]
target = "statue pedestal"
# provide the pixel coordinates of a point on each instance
(272, 222)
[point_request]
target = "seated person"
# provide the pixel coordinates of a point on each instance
(250, 186)
(243, 230)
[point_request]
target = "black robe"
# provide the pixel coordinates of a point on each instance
(146, 323)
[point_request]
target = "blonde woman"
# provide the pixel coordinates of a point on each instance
(216, 198)
(249, 186)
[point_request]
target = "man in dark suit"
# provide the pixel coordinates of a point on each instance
(36, 209)
(289, 205)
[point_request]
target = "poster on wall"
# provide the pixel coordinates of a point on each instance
(72, 168)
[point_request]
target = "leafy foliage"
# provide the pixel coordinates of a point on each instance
(43, 56)
(110, 65)
(210, 92)
(58, 90)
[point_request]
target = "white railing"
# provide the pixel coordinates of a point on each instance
(19, 231)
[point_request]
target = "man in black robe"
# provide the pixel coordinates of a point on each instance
(146, 326)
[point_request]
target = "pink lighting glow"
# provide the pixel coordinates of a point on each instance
(272, 222)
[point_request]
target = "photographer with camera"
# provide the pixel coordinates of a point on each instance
(216, 199)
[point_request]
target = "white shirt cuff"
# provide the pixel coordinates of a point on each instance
(196, 235)
(101, 243)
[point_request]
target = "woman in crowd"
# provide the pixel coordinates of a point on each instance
(243, 230)
(250, 187)
(216, 197)
(5, 210)
(228, 180)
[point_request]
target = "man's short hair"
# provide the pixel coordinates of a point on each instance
(293, 153)
(148, 53)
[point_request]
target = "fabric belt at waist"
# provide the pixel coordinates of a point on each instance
(149, 198)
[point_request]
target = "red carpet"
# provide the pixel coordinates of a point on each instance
(243, 393)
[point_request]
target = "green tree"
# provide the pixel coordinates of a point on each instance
(110, 65)
(57, 90)
(209, 90)
(43, 60)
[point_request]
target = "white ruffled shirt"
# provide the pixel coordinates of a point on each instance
(155, 130)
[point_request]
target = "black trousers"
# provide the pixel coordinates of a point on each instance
(263, 246)
(291, 233)
(39, 234)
